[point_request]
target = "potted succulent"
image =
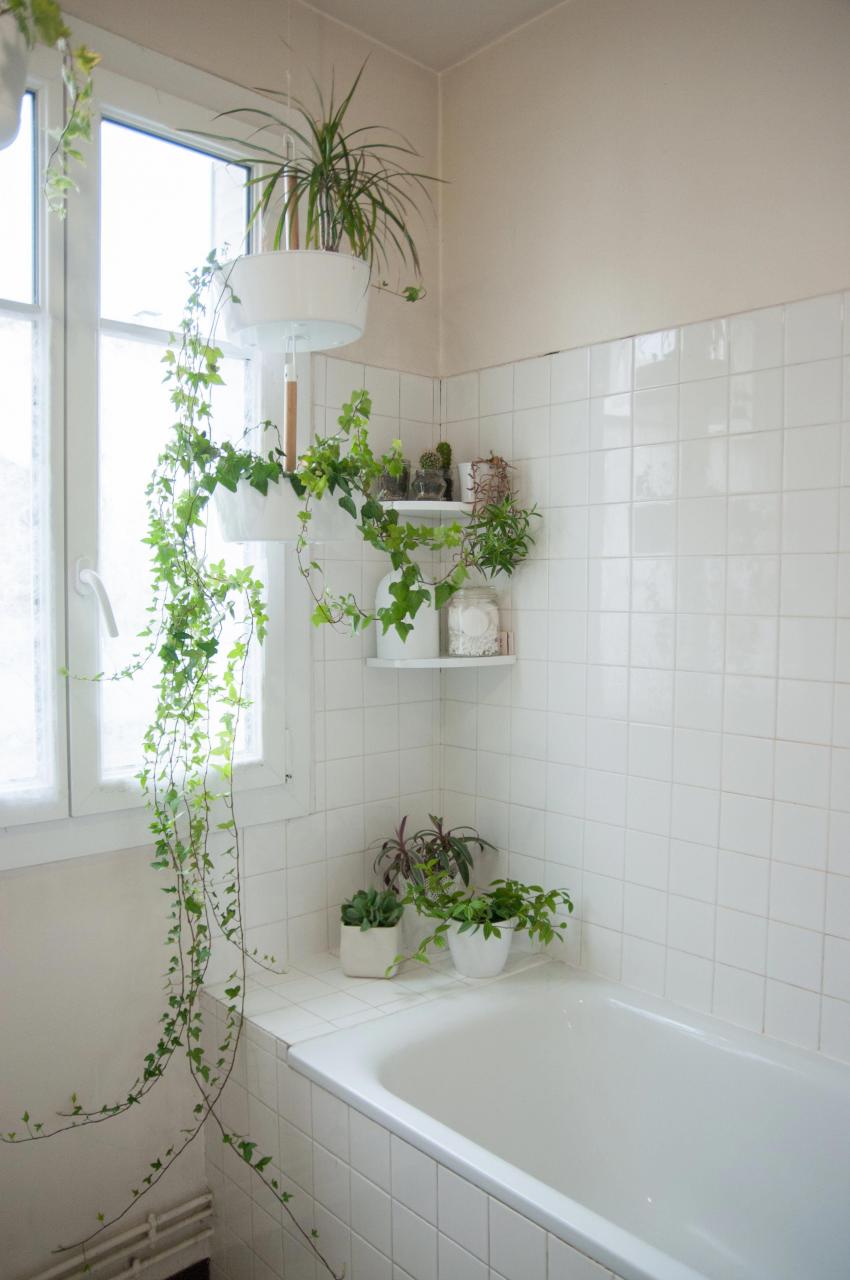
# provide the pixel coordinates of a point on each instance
(404, 858)
(24, 24)
(369, 933)
(356, 193)
(429, 482)
(478, 925)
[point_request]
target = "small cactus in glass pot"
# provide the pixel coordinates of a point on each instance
(429, 482)
(443, 451)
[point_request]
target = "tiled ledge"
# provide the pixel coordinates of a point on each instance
(315, 997)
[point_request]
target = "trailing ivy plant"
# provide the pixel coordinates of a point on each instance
(41, 22)
(204, 618)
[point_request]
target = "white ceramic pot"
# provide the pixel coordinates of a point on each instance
(247, 516)
(14, 60)
(466, 485)
(318, 299)
(422, 642)
(474, 955)
(368, 954)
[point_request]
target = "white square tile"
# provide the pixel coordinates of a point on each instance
(653, 584)
(331, 1183)
(383, 388)
(797, 895)
(690, 926)
(646, 859)
(802, 773)
(812, 458)
(461, 394)
(745, 824)
(610, 371)
(648, 806)
(738, 997)
(702, 583)
(804, 711)
(810, 521)
(610, 475)
(696, 757)
(643, 964)
(656, 357)
(703, 408)
(457, 1263)
(689, 980)
(794, 955)
(570, 427)
(792, 1014)
(417, 397)
(813, 329)
(531, 382)
(414, 1179)
(414, 1244)
(699, 700)
(496, 390)
(371, 1213)
(693, 870)
(367, 1263)
(702, 527)
(611, 421)
(743, 882)
(807, 648)
(570, 375)
(702, 468)
(749, 706)
(655, 415)
(696, 814)
(756, 339)
(654, 471)
(753, 524)
(652, 639)
(835, 1029)
(330, 1122)
(651, 751)
(751, 646)
(756, 401)
(755, 463)
(741, 940)
(699, 642)
(809, 585)
(705, 350)
(463, 1213)
(813, 393)
(752, 584)
(838, 905)
(517, 1246)
(654, 528)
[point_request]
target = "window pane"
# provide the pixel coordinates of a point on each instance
(17, 178)
(27, 663)
(133, 429)
(163, 208)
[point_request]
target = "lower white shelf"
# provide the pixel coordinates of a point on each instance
(400, 664)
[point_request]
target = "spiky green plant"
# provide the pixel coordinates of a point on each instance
(430, 460)
(354, 189)
(443, 451)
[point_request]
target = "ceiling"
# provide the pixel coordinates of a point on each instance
(437, 33)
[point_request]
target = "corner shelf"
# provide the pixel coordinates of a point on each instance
(402, 664)
(411, 507)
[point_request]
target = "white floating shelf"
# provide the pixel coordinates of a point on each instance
(410, 507)
(402, 664)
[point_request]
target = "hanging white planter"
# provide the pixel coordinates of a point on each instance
(248, 516)
(311, 297)
(14, 61)
(475, 956)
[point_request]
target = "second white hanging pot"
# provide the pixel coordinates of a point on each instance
(423, 641)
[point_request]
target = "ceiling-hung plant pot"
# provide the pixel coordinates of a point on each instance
(337, 200)
(14, 62)
(245, 514)
(370, 934)
(316, 299)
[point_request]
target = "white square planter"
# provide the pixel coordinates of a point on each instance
(368, 954)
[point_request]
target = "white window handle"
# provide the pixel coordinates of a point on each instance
(89, 580)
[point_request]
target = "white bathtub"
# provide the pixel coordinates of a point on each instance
(664, 1144)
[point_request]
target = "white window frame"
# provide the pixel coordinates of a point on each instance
(132, 87)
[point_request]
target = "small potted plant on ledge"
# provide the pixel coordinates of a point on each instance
(369, 933)
(404, 858)
(429, 482)
(479, 924)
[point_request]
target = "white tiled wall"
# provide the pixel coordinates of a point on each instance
(383, 1209)
(674, 742)
(376, 736)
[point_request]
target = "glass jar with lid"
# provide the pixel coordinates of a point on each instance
(473, 623)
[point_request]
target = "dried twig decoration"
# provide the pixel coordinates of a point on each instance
(491, 482)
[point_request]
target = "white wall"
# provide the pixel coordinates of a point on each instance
(673, 744)
(618, 166)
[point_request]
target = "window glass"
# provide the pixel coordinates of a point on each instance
(164, 206)
(17, 180)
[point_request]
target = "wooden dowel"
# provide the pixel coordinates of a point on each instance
(290, 425)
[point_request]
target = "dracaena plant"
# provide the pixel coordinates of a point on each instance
(41, 22)
(190, 743)
(353, 185)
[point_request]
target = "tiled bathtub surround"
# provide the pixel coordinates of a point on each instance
(383, 1209)
(674, 741)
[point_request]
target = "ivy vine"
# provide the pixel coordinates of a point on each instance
(204, 619)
